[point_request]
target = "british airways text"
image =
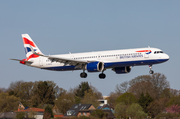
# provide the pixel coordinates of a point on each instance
(130, 56)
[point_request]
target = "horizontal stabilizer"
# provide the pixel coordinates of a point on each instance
(22, 60)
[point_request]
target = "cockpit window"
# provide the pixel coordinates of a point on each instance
(157, 52)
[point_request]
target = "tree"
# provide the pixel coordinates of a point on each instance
(153, 84)
(157, 106)
(167, 116)
(120, 110)
(112, 99)
(22, 90)
(59, 91)
(3, 90)
(122, 88)
(174, 100)
(98, 114)
(90, 98)
(65, 101)
(127, 98)
(144, 101)
(8, 103)
(48, 113)
(173, 109)
(84, 86)
(96, 92)
(43, 94)
(136, 111)
(20, 115)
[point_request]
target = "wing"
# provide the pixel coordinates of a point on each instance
(67, 61)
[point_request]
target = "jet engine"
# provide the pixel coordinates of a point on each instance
(95, 66)
(122, 70)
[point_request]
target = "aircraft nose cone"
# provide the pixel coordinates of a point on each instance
(166, 56)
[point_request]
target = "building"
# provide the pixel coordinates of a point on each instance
(36, 113)
(106, 107)
(78, 110)
(74, 110)
(7, 115)
(87, 113)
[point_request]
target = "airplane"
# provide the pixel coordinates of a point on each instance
(120, 61)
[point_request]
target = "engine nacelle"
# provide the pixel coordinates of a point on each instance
(122, 70)
(95, 67)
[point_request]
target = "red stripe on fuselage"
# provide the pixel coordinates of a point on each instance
(26, 41)
(144, 51)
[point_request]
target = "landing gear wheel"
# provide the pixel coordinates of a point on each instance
(151, 72)
(102, 76)
(83, 75)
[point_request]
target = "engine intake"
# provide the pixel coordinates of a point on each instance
(95, 66)
(122, 70)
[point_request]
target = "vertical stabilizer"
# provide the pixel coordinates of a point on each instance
(28, 42)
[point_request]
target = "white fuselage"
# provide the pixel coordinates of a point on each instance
(111, 59)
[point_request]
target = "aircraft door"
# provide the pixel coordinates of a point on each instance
(146, 55)
(41, 61)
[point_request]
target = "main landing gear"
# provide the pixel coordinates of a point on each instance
(83, 75)
(102, 75)
(151, 71)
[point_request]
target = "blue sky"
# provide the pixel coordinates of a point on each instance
(60, 27)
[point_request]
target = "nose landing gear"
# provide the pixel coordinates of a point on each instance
(151, 71)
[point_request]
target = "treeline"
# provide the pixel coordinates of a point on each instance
(146, 95)
(42, 93)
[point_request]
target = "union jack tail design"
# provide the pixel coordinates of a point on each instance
(28, 42)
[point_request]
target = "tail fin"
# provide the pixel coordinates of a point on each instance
(27, 43)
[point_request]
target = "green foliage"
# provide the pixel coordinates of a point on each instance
(135, 110)
(84, 86)
(48, 113)
(167, 115)
(154, 84)
(43, 94)
(8, 103)
(77, 100)
(90, 98)
(64, 102)
(98, 114)
(20, 115)
(157, 106)
(175, 100)
(144, 101)
(127, 98)
(120, 110)
(166, 93)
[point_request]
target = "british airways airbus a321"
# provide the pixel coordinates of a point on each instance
(120, 61)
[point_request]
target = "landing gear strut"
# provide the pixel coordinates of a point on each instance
(151, 71)
(83, 74)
